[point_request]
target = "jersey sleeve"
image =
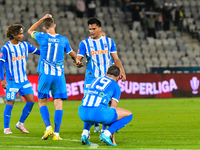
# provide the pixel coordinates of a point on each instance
(68, 48)
(32, 49)
(38, 36)
(81, 49)
(1, 70)
(3, 54)
(113, 47)
(117, 93)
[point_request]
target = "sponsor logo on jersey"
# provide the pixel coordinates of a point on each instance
(18, 58)
(1, 54)
(99, 52)
(105, 46)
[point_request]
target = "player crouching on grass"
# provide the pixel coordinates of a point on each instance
(95, 109)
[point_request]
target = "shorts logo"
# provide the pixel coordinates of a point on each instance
(99, 52)
(18, 58)
(1, 54)
(13, 90)
(27, 85)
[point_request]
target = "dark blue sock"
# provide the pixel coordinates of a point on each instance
(104, 127)
(26, 111)
(45, 115)
(7, 115)
(87, 126)
(120, 124)
(96, 124)
(58, 119)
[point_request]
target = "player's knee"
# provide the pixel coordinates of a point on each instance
(29, 98)
(10, 102)
(42, 102)
(128, 113)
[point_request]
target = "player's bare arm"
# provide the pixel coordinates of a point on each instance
(38, 23)
(119, 64)
(79, 64)
(3, 84)
(73, 56)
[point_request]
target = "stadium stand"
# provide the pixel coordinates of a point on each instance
(137, 52)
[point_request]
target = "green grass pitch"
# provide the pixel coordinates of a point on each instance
(157, 124)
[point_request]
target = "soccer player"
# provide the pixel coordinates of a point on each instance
(14, 55)
(51, 70)
(99, 51)
(95, 107)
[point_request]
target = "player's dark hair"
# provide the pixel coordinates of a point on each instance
(13, 30)
(113, 70)
(48, 22)
(94, 21)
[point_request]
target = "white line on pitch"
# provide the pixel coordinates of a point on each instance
(92, 146)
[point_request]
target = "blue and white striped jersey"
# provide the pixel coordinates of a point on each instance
(52, 48)
(15, 58)
(98, 56)
(101, 91)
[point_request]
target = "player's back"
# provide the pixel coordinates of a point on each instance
(101, 91)
(52, 48)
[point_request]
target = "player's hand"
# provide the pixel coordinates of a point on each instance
(3, 84)
(47, 16)
(123, 77)
(79, 64)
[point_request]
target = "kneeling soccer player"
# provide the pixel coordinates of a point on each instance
(95, 109)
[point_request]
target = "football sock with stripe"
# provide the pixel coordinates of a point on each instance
(7, 115)
(26, 111)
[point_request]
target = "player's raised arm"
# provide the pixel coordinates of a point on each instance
(38, 23)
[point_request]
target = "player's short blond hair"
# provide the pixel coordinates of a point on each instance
(48, 22)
